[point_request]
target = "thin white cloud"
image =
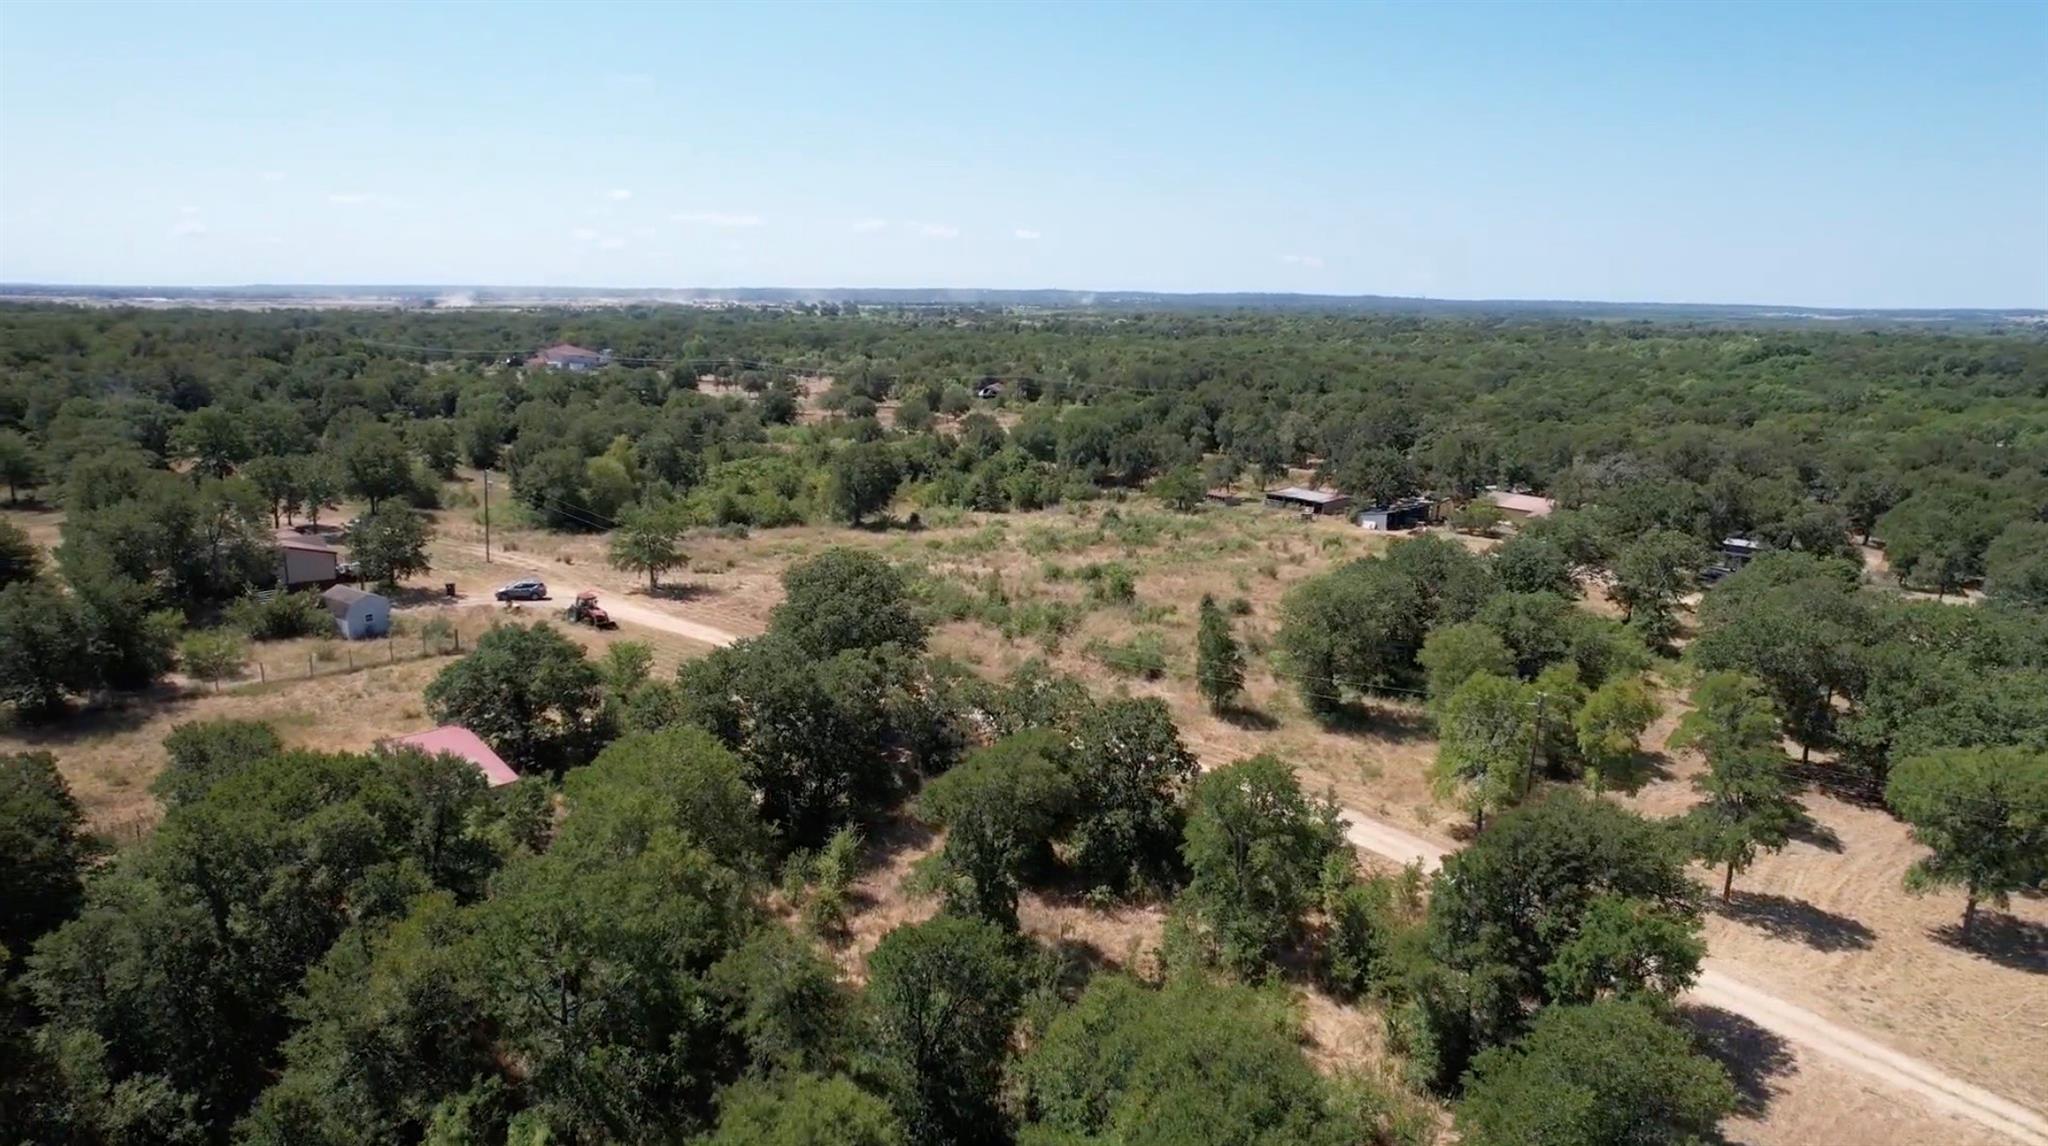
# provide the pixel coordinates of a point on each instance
(583, 235)
(271, 176)
(360, 199)
(188, 209)
(644, 232)
(618, 194)
(726, 219)
(1302, 260)
(610, 243)
(184, 227)
(1027, 234)
(866, 225)
(938, 230)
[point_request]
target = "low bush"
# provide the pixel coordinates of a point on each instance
(281, 617)
(1143, 656)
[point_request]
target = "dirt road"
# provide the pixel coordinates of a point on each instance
(1795, 1024)
(1403, 847)
(645, 616)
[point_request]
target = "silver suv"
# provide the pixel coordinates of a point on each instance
(528, 589)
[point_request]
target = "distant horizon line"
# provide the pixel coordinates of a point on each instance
(939, 294)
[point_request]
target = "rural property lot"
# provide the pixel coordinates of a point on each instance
(1824, 926)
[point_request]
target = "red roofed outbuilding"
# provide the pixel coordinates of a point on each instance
(456, 740)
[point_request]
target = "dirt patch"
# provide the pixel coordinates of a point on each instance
(882, 899)
(44, 524)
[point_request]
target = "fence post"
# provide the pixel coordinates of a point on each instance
(309, 665)
(260, 678)
(392, 648)
(351, 658)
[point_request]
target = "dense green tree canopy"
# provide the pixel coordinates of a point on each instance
(529, 693)
(43, 848)
(1983, 813)
(1595, 1075)
(1194, 1063)
(1255, 848)
(945, 995)
(845, 599)
(1001, 808)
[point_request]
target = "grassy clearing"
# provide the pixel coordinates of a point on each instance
(111, 753)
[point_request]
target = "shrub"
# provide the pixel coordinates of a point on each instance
(280, 617)
(1110, 582)
(438, 634)
(1142, 656)
(213, 655)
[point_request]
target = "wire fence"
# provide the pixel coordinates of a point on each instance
(337, 658)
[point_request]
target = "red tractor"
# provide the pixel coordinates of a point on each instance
(586, 611)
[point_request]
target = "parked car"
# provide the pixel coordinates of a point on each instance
(525, 589)
(348, 572)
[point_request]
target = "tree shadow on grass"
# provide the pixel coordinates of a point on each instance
(415, 596)
(1754, 1058)
(1249, 719)
(883, 837)
(1077, 961)
(1811, 831)
(1782, 917)
(2003, 939)
(100, 716)
(683, 591)
(1385, 722)
(1640, 769)
(1842, 782)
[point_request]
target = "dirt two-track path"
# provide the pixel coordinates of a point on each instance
(645, 616)
(1716, 987)
(1789, 1021)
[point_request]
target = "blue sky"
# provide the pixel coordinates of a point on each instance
(1838, 154)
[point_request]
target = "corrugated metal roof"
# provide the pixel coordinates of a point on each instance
(346, 595)
(1297, 493)
(293, 539)
(1527, 503)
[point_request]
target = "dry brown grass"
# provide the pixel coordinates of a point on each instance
(110, 753)
(1790, 1099)
(1828, 924)
(1974, 1014)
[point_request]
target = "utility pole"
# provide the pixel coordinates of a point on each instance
(487, 517)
